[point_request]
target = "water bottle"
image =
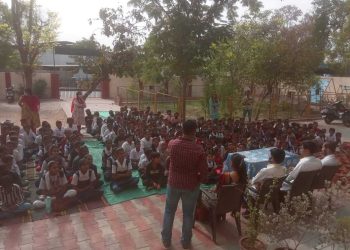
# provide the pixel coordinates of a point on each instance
(48, 204)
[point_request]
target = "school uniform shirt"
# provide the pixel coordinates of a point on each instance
(108, 135)
(271, 171)
(83, 177)
(28, 138)
(103, 129)
(38, 139)
(135, 155)
(121, 168)
(330, 161)
(306, 164)
(72, 129)
(128, 147)
(143, 161)
(58, 132)
(49, 182)
(12, 197)
(331, 138)
(146, 143)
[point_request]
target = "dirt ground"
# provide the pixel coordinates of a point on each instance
(50, 111)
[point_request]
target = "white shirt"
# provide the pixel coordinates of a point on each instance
(271, 171)
(146, 143)
(306, 164)
(72, 129)
(331, 138)
(28, 138)
(135, 155)
(103, 129)
(117, 167)
(143, 161)
(330, 161)
(52, 181)
(108, 135)
(58, 132)
(83, 177)
(128, 147)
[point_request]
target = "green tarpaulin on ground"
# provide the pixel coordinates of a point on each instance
(96, 148)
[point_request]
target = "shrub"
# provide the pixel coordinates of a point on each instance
(39, 88)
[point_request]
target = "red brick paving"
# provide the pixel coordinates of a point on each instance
(130, 225)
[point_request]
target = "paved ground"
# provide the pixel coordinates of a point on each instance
(134, 224)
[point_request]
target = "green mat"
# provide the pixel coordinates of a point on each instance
(95, 148)
(104, 114)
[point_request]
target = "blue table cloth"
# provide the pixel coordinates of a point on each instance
(255, 160)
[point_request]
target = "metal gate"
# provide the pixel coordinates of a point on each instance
(69, 93)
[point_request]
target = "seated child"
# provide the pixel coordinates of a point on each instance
(70, 125)
(11, 198)
(88, 121)
(154, 176)
(85, 182)
(212, 167)
(54, 183)
(106, 153)
(58, 133)
(121, 172)
(135, 155)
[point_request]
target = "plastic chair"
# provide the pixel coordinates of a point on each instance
(228, 200)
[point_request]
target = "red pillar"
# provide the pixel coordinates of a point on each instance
(55, 86)
(8, 79)
(105, 89)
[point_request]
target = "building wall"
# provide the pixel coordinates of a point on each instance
(120, 84)
(17, 81)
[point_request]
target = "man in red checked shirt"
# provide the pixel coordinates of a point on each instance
(188, 168)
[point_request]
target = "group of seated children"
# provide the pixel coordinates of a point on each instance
(65, 169)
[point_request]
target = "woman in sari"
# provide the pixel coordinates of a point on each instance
(77, 109)
(30, 106)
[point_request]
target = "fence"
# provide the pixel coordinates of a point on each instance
(157, 101)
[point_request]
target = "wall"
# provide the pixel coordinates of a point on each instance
(128, 82)
(17, 81)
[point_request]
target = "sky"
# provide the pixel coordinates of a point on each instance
(74, 15)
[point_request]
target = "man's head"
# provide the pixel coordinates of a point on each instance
(331, 131)
(119, 153)
(277, 155)
(308, 148)
(189, 128)
(59, 124)
(329, 148)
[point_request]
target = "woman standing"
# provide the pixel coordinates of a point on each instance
(30, 106)
(77, 109)
(214, 107)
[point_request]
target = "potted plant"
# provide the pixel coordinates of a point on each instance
(287, 228)
(253, 229)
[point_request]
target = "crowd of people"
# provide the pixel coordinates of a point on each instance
(138, 140)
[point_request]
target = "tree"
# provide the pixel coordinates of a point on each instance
(8, 56)
(180, 32)
(332, 33)
(33, 32)
(270, 50)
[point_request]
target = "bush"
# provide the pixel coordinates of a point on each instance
(39, 88)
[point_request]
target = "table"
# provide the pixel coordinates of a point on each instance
(257, 159)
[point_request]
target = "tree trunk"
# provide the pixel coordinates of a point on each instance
(184, 84)
(28, 78)
(266, 94)
(92, 87)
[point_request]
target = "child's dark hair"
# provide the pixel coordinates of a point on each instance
(6, 181)
(155, 155)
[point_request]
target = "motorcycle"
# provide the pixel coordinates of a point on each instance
(336, 111)
(10, 95)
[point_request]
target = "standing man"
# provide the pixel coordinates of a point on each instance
(188, 168)
(247, 104)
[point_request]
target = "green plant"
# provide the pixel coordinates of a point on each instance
(39, 88)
